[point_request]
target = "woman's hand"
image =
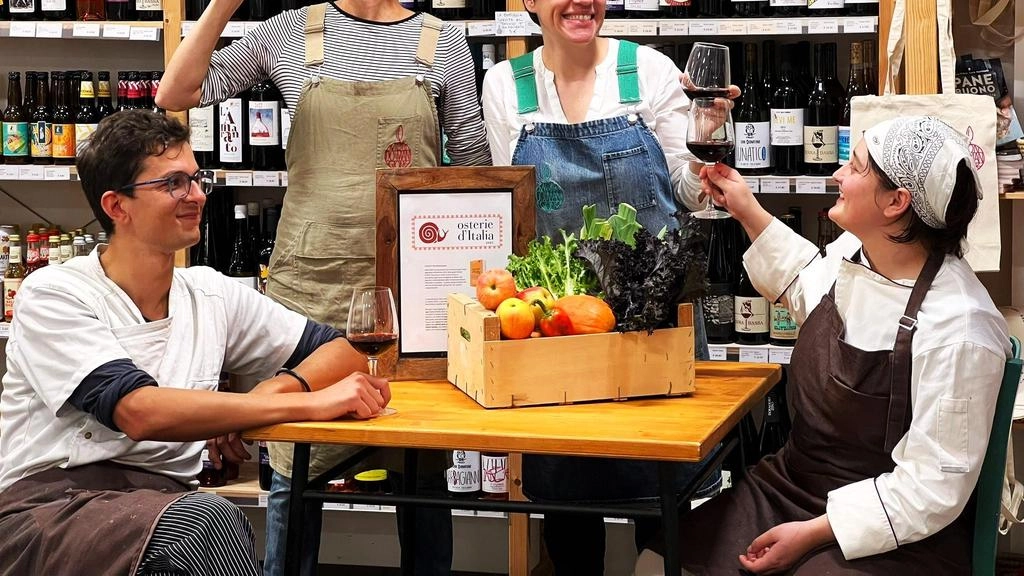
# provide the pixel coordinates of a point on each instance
(778, 549)
(729, 190)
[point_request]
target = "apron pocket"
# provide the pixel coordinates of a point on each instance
(951, 430)
(861, 416)
(629, 177)
(398, 141)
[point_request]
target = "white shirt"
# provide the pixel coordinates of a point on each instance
(71, 319)
(959, 350)
(663, 107)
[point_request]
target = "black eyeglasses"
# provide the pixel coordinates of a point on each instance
(179, 183)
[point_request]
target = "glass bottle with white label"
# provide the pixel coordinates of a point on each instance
(57, 9)
(462, 474)
(451, 9)
(493, 478)
(202, 123)
(821, 123)
(751, 313)
(13, 276)
(24, 9)
(753, 122)
(233, 146)
(854, 87)
(787, 118)
(242, 266)
(265, 127)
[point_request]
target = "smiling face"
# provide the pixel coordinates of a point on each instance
(577, 21)
(865, 202)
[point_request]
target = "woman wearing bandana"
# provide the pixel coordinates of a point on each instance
(894, 378)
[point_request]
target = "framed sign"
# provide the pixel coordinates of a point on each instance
(437, 229)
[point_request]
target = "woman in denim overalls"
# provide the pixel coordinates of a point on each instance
(604, 122)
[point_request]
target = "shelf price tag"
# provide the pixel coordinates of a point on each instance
(490, 514)
(862, 24)
(822, 26)
(57, 173)
(367, 507)
(145, 33)
(262, 500)
(30, 173)
(485, 28)
(779, 355)
(86, 30)
(238, 178)
(186, 28)
(49, 30)
(5, 330)
(9, 173)
(789, 27)
(705, 27)
(514, 23)
(762, 27)
(774, 185)
(754, 183)
(121, 31)
(337, 506)
(718, 352)
(23, 29)
(614, 28)
(674, 27)
(810, 185)
(250, 26)
(284, 179)
(753, 354)
(642, 28)
(233, 30)
(729, 28)
(266, 179)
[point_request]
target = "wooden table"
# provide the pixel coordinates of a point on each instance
(435, 414)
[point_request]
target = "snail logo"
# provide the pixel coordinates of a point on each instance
(748, 130)
(398, 154)
(430, 233)
(977, 152)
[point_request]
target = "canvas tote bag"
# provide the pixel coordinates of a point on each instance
(973, 115)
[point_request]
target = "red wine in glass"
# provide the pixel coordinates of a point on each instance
(706, 92)
(710, 152)
(373, 344)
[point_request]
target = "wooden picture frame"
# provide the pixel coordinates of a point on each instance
(518, 181)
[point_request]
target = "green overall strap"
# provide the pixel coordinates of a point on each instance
(629, 81)
(526, 83)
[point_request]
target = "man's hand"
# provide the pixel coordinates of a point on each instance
(228, 447)
(358, 394)
(778, 549)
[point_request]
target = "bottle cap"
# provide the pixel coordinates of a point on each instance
(239, 211)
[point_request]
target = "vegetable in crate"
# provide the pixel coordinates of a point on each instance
(553, 267)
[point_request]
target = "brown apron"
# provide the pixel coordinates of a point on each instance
(87, 521)
(851, 409)
(341, 132)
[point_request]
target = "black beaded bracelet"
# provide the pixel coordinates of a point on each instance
(294, 374)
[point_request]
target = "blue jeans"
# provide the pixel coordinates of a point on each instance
(433, 535)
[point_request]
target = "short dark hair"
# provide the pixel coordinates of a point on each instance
(114, 154)
(963, 204)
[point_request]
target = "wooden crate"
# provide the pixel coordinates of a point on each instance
(614, 366)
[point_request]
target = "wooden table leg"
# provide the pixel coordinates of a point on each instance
(669, 517)
(518, 524)
(296, 511)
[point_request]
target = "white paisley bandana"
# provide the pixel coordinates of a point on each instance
(921, 154)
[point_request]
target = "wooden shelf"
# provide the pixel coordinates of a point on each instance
(141, 31)
(1012, 196)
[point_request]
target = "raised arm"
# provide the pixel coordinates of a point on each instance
(182, 83)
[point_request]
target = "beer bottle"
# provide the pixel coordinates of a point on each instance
(13, 276)
(122, 91)
(32, 261)
(63, 124)
(154, 85)
(65, 248)
(16, 138)
(104, 106)
(41, 128)
(463, 473)
(53, 250)
(86, 119)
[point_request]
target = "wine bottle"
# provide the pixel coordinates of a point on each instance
(14, 274)
(752, 8)
(753, 122)
(451, 9)
(485, 9)
(252, 226)
(776, 421)
(493, 480)
(271, 215)
(233, 145)
(862, 7)
(25, 10)
(855, 86)
(91, 10)
(751, 312)
(265, 127)
(203, 129)
(784, 8)
(148, 10)
(261, 10)
(615, 9)
(154, 86)
(134, 101)
(642, 8)
(717, 303)
(242, 267)
(463, 473)
(122, 91)
(204, 253)
(41, 128)
(16, 138)
(120, 10)
(832, 84)
(57, 9)
(676, 9)
(768, 73)
(787, 121)
(86, 119)
(821, 124)
(825, 8)
(104, 106)
(870, 67)
(194, 9)
(784, 330)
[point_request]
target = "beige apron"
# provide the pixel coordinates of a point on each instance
(341, 132)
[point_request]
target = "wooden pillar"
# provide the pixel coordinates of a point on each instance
(920, 63)
(174, 13)
(518, 524)
(515, 46)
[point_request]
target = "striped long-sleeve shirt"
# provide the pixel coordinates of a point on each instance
(357, 50)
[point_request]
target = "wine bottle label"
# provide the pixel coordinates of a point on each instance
(820, 144)
(787, 126)
(752, 142)
(788, 3)
(201, 123)
(63, 140)
(676, 3)
(264, 123)
(642, 5)
(286, 127)
(824, 4)
(464, 473)
(783, 326)
(148, 5)
(718, 304)
(82, 134)
(493, 470)
(844, 145)
(23, 6)
(11, 287)
(54, 5)
(230, 130)
(16, 138)
(449, 4)
(751, 314)
(247, 281)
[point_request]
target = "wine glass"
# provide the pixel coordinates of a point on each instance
(372, 322)
(707, 71)
(710, 137)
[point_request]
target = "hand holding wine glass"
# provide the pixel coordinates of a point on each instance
(372, 323)
(709, 139)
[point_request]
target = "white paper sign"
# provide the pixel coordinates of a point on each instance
(238, 178)
(822, 26)
(8, 173)
(337, 506)
(250, 26)
(614, 28)
(186, 27)
(707, 27)
(233, 30)
(443, 238)
(718, 352)
(754, 355)
(485, 28)
(262, 500)
(284, 179)
(779, 355)
(754, 183)
(865, 24)
(762, 27)
(789, 27)
(5, 330)
(23, 29)
(674, 28)
(810, 185)
(49, 30)
(642, 28)
(86, 30)
(514, 23)
(271, 179)
(31, 173)
(729, 28)
(771, 185)
(57, 173)
(144, 33)
(121, 31)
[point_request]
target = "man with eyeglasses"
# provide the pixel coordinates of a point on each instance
(113, 362)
